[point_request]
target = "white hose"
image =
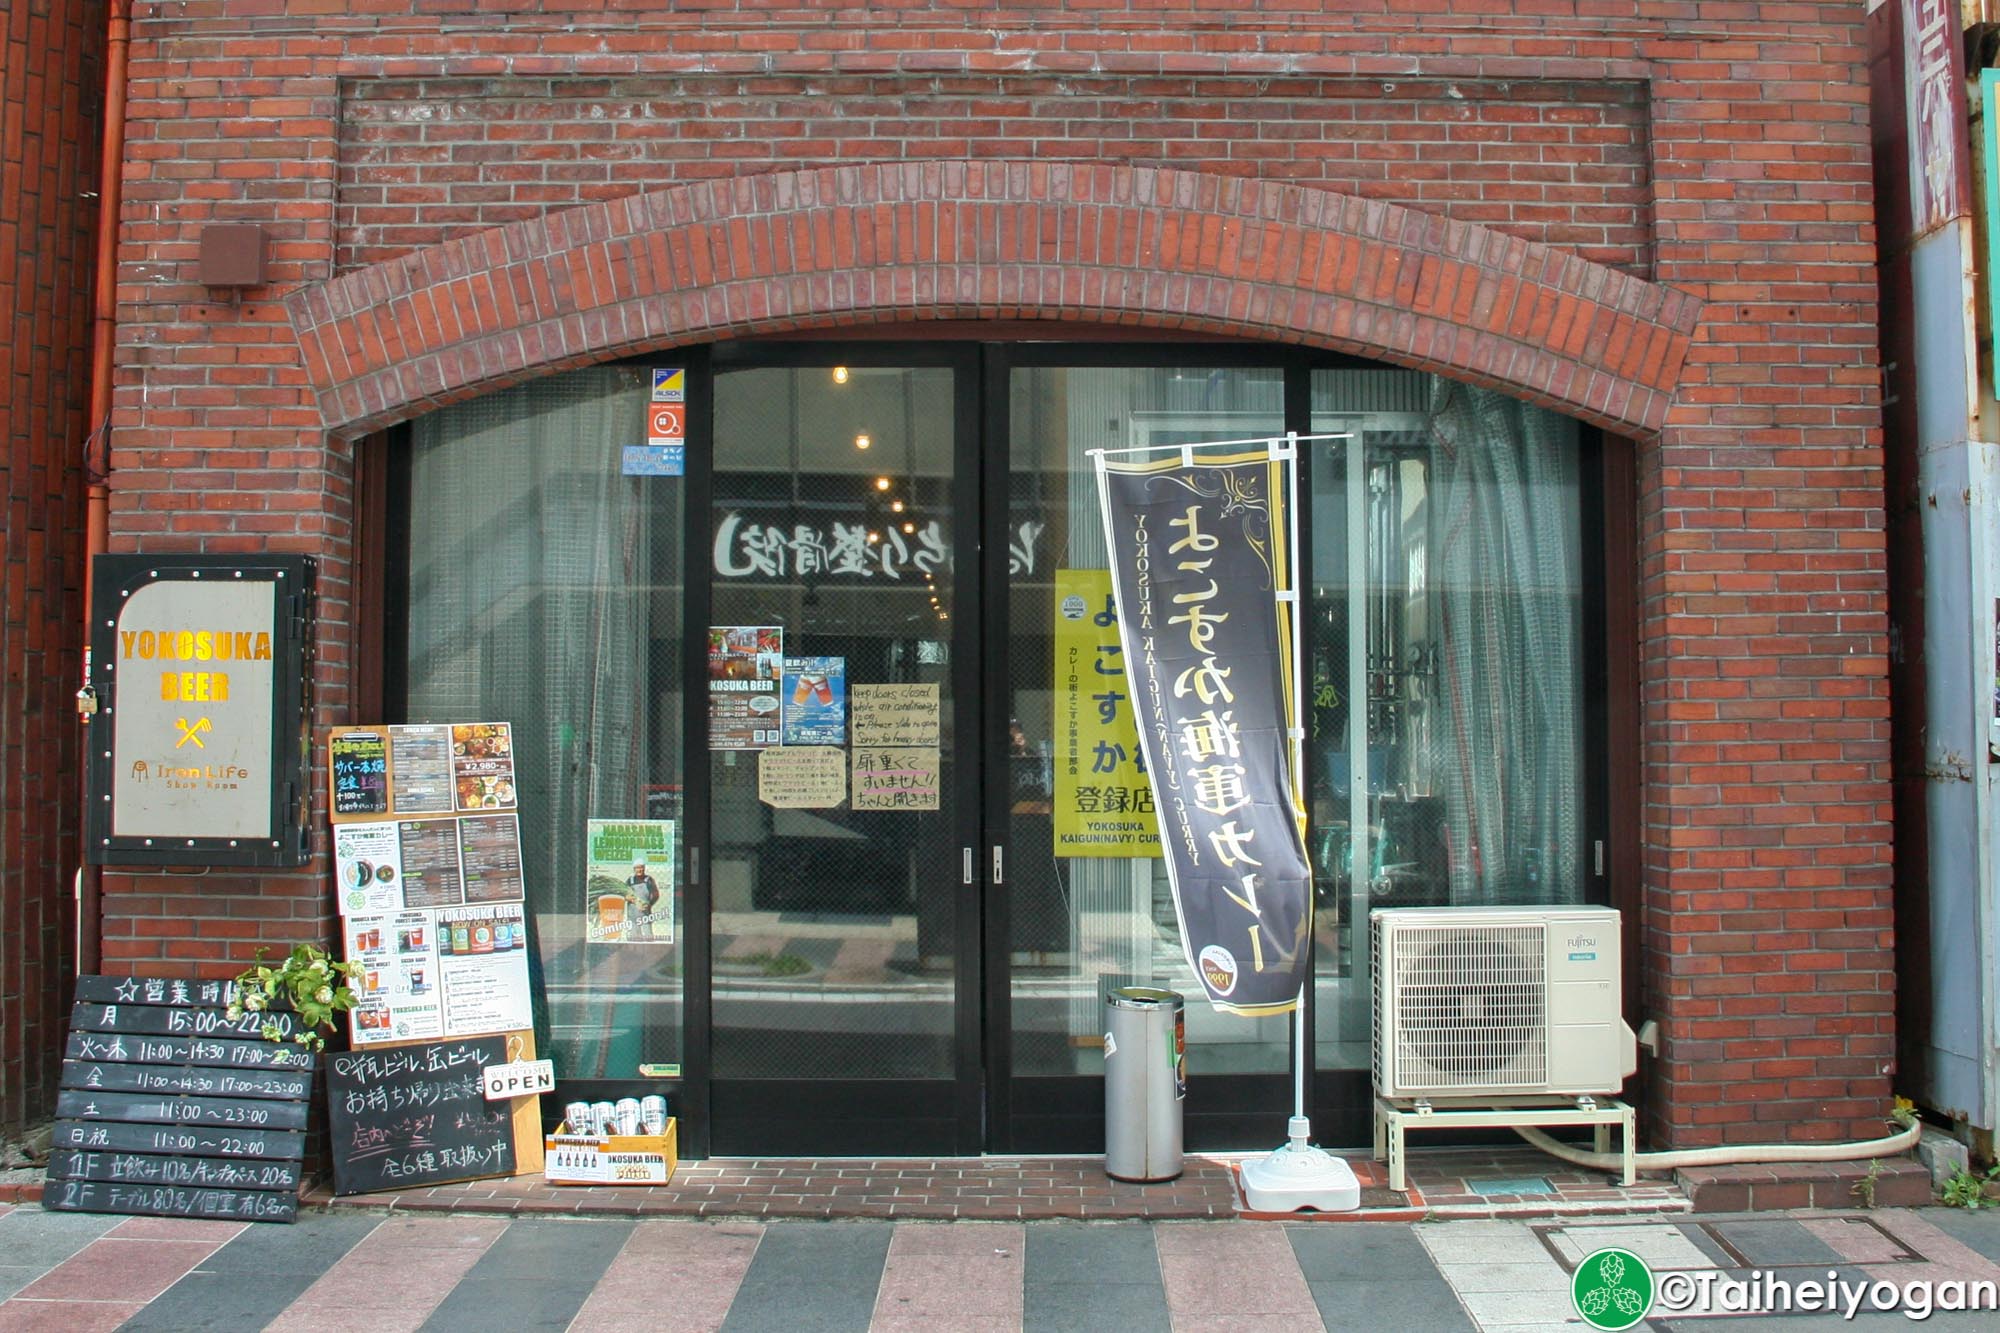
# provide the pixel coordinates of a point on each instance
(1728, 1155)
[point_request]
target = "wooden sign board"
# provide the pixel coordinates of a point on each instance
(417, 1114)
(169, 1107)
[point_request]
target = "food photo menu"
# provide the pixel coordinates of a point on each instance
(427, 877)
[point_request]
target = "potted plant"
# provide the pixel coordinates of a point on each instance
(310, 982)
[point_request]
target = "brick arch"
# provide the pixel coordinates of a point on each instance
(1122, 245)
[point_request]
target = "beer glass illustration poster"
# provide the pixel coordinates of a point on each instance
(745, 664)
(1198, 551)
(629, 881)
(813, 696)
(428, 879)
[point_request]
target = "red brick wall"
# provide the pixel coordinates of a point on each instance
(424, 160)
(52, 83)
(1765, 837)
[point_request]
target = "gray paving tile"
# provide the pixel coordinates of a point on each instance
(1777, 1242)
(12, 1279)
(1395, 1303)
(540, 1272)
(33, 1238)
(1064, 1307)
(1978, 1231)
(1082, 1252)
(812, 1277)
(255, 1277)
(1329, 1250)
(1078, 1276)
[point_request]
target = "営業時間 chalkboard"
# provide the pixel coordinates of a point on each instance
(417, 1115)
(170, 1107)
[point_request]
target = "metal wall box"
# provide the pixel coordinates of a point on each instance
(200, 672)
(232, 255)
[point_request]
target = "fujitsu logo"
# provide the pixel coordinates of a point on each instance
(1583, 941)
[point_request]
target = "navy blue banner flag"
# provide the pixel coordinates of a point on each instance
(1198, 557)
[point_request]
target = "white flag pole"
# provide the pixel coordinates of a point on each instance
(1298, 1175)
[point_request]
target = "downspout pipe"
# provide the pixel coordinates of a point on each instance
(97, 446)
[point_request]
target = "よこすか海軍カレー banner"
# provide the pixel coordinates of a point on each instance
(1198, 558)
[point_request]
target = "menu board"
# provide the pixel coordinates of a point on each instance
(438, 853)
(169, 1107)
(417, 1115)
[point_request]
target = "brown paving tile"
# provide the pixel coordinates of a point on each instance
(707, 1261)
(396, 1276)
(119, 1270)
(22, 1316)
(1246, 1272)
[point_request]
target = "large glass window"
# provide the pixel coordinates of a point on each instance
(545, 591)
(1444, 672)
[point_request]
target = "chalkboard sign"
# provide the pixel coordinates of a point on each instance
(360, 773)
(170, 1107)
(417, 1115)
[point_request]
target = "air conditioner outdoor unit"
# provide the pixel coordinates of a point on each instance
(1483, 1004)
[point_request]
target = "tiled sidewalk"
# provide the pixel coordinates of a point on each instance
(447, 1274)
(1481, 1182)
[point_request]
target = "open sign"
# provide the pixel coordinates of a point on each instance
(523, 1078)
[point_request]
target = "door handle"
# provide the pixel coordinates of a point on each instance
(966, 873)
(998, 876)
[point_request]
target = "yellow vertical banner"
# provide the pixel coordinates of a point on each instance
(1103, 802)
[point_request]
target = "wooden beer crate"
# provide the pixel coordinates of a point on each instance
(617, 1159)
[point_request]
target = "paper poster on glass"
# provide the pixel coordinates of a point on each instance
(629, 881)
(367, 868)
(814, 697)
(745, 667)
(1103, 804)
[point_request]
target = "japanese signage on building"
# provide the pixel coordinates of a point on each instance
(1198, 553)
(1103, 803)
(198, 673)
(428, 879)
(1934, 95)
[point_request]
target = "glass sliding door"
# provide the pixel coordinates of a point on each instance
(838, 760)
(1086, 898)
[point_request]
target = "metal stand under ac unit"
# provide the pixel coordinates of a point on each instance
(1394, 1118)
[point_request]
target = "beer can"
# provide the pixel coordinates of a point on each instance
(653, 1114)
(576, 1118)
(602, 1116)
(627, 1110)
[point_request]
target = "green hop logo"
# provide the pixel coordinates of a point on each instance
(1612, 1289)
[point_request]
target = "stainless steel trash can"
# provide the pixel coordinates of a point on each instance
(1145, 1078)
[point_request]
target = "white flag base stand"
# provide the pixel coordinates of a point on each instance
(1299, 1175)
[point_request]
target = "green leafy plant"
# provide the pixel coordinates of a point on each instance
(310, 983)
(1902, 1112)
(1864, 1188)
(1967, 1189)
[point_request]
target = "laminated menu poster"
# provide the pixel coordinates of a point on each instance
(629, 880)
(483, 955)
(399, 992)
(745, 664)
(443, 859)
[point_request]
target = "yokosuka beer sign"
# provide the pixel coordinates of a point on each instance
(1198, 559)
(198, 677)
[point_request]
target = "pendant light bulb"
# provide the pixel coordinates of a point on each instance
(840, 377)
(862, 442)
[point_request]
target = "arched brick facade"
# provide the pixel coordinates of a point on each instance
(1121, 245)
(1597, 210)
